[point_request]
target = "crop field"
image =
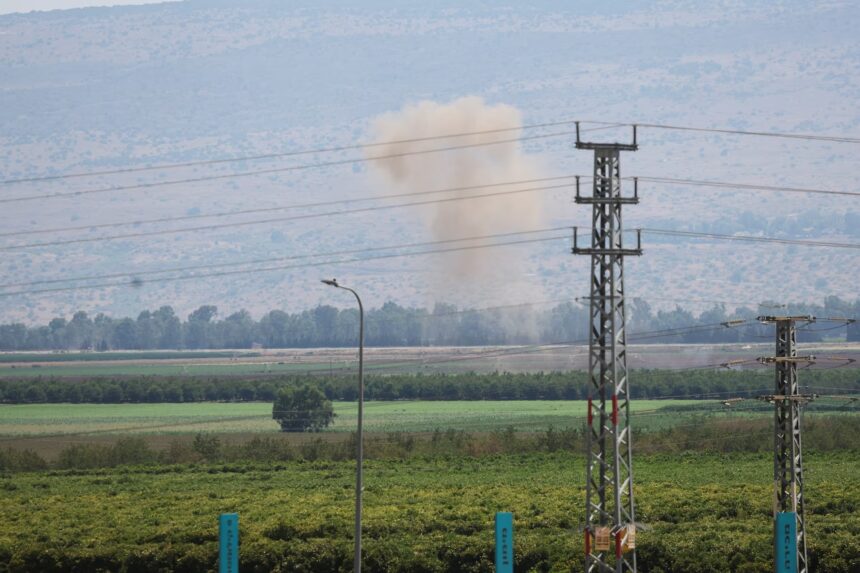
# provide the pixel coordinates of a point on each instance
(39, 357)
(172, 367)
(396, 416)
(703, 514)
(381, 360)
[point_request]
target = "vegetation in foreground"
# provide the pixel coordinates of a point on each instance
(692, 434)
(706, 513)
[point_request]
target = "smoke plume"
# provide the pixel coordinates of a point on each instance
(498, 163)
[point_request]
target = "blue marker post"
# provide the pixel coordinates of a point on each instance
(504, 542)
(228, 535)
(786, 542)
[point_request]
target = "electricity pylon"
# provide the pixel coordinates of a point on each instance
(787, 451)
(610, 531)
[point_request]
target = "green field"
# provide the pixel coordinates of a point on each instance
(7, 357)
(398, 416)
(82, 370)
(704, 514)
(127, 366)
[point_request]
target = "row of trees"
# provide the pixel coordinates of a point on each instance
(469, 386)
(394, 325)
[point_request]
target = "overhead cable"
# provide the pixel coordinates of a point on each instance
(138, 281)
(278, 219)
(172, 219)
(360, 146)
(347, 200)
(282, 155)
(777, 134)
(205, 178)
(750, 238)
(748, 186)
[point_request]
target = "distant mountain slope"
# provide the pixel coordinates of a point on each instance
(111, 87)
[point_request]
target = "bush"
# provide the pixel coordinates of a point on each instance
(21, 460)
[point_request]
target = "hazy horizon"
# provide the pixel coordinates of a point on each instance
(25, 6)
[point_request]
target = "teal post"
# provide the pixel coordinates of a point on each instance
(786, 542)
(504, 542)
(228, 535)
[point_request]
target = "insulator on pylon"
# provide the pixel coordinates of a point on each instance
(602, 537)
(629, 543)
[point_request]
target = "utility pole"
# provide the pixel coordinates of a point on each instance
(359, 447)
(789, 556)
(610, 530)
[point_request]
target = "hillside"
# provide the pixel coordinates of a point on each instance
(106, 88)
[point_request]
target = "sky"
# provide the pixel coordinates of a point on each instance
(13, 6)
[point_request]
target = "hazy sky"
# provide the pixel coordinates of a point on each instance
(10, 6)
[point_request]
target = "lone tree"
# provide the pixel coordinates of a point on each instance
(304, 409)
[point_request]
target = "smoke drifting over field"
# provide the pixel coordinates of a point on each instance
(462, 168)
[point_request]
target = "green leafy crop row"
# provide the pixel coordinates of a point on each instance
(704, 514)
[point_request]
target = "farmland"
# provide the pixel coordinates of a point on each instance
(133, 476)
(704, 513)
(55, 420)
(383, 360)
(137, 487)
(235, 432)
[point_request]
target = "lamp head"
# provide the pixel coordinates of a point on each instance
(331, 282)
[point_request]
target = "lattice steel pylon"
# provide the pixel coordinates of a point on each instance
(787, 451)
(610, 518)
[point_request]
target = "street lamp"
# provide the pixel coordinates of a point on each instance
(359, 449)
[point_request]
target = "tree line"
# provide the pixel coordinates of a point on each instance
(571, 385)
(395, 325)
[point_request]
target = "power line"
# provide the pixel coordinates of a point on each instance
(281, 259)
(504, 352)
(336, 149)
(288, 207)
(520, 351)
(671, 181)
(762, 304)
(360, 146)
(414, 204)
(334, 163)
(498, 353)
(787, 135)
(604, 125)
(278, 219)
(803, 242)
(749, 186)
(832, 389)
(139, 282)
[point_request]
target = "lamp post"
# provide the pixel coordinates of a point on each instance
(359, 449)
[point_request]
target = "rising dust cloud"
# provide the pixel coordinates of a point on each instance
(489, 164)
